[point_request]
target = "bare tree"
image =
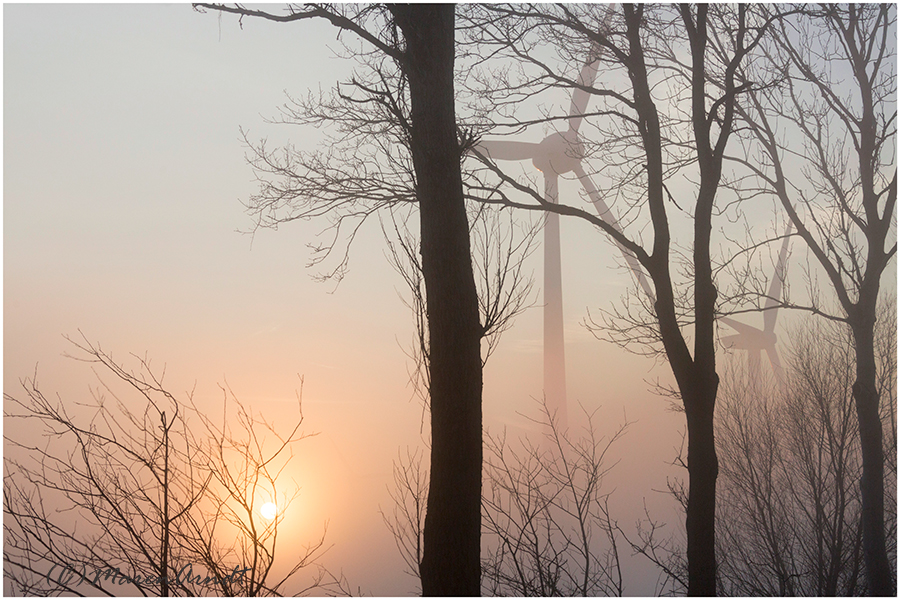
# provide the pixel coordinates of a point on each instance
(500, 247)
(406, 520)
(788, 501)
(136, 491)
(666, 90)
(546, 515)
(822, 140)
(789, 504)
(546, 522)
(791, 459)
(411, 97)
(245, 467)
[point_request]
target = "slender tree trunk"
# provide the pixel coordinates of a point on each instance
(865, 394)
(452, 534)
(700, 400)
(164, 550)
(700, 404)
(879, 574)
(698, 384)
(696, 376)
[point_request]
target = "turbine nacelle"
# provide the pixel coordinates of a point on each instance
(559, 153)
(756, 341)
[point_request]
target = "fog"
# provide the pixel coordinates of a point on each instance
(124, 177)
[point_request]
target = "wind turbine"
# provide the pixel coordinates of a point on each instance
(754, 340)
(558, 154)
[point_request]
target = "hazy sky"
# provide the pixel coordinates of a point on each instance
(123, 181)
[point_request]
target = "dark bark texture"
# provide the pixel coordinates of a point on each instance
(452, 535)
(865, 394)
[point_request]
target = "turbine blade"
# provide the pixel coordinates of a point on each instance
(598, 202)
(772, 353)
(771, 316)
(508, 150)
(742, 328)
(580, 96)
(731, 340)
(587, 76)
(607, 215)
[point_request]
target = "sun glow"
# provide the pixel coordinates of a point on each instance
(268, 510)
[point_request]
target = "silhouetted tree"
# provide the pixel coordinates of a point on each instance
(406, 520)
(546, 515)
(546, 522)
(791, 461)
(137, 492)
(822, 139)
(412, 85)
(500, 247)
(666, 92)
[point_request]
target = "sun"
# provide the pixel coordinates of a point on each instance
(268, 510)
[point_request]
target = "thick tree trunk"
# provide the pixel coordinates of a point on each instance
(703, 470)
(698, 384)
(452, 536)
(879, 575)
(865, 394)
(696, 377)
(700, 394)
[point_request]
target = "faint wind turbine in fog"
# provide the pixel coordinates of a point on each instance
(560, 153)
(754, 340)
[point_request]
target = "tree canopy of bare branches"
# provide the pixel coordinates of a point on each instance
(138, 492)
(546, 514)
(822, 120)
(546, 521)
(791, 462)
(666, 94)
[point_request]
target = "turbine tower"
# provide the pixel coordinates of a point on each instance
(558, 154)
(754, 340)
